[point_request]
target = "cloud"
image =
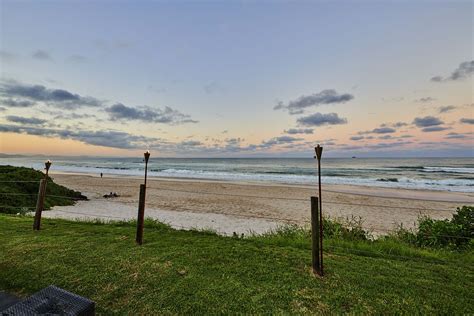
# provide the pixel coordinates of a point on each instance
(233, 141)
(427, 121)
(41, 54)
(464, 70)
(435, 129)
(17, 103)
(279, 140)
(23, 95)
(399, 124)
(70, 116)
(114, 139)
(293, 131)
(191, 143)
(287, 139)
(38, 93)
(385, 137)
(447, 108)
(357, 137)
(425, 100)
(328, 96)
(25, 120)
(467, 121)
(234, 145)
(383, 130)
(457, 136)
(146, 114)
(319, 119)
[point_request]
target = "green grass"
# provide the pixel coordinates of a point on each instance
(191, 272)
(19, 188)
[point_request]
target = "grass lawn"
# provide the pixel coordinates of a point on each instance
(190, 272)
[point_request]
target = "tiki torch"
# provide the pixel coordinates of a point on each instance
(47, 165)
(319, 152)
(147, 156)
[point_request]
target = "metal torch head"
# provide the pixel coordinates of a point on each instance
(47, 165)
(319, 151)
(147, 155)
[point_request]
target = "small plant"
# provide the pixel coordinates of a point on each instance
(23, 211)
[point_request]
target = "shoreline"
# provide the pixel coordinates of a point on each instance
(241, 207)
(361, 190)
(443, 187)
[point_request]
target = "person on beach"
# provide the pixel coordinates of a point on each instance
(101, 174)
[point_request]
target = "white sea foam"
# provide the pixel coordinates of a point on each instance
(439, 177)
(449, 170)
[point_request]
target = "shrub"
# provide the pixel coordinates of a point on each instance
(17, 196)
(350, 229)
(456, 233)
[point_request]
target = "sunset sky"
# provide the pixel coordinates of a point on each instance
(237, 78)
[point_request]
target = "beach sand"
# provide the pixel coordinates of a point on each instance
(229, 207)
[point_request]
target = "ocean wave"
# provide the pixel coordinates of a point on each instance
(406, 167)
(388, 179)
(458, 185)
(292, 175)
(449, 170)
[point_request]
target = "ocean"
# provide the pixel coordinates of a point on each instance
(445, 174)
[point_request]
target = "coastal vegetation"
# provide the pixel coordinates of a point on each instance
(19, 189)
(456, 233)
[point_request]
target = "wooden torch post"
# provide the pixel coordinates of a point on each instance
(141, 204)
(319, 151)
(41, 197)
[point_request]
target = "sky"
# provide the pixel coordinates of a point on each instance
(237, 78)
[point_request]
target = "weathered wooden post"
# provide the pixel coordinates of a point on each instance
(141, 204)
(41, 197)
(316, 260)
(141, 214)
(319, 151)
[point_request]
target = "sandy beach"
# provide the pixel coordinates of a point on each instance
(229, 207)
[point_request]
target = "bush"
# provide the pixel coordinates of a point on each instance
(456, 233)
(18, 196)
(350, 229)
